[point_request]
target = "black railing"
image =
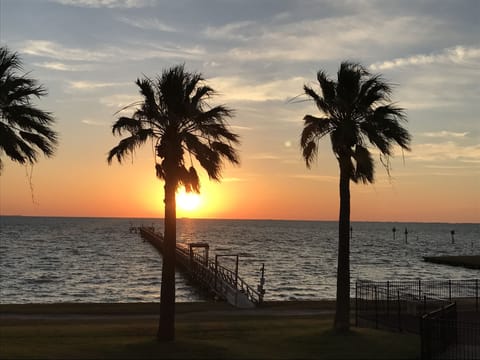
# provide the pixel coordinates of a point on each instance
(443, 336)
(205, 271)
(429, 308)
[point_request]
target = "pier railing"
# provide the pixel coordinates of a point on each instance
(212, 272)
(220, 280)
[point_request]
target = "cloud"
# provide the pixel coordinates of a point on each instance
(50, 49)
(264, 156)
(106, 3)
(119, 101)
(241, 128)
(236, 88)
(59, 66)
(93, 122)
(445, 151)
(327, 38)
(231, 31)
(321, 178)
(89, 85)
(459, 55)
(445, 134)
(148, 24)
(132, 52)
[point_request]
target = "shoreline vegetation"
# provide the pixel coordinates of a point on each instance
(287, 330)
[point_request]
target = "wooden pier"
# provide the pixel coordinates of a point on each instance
(208, 274)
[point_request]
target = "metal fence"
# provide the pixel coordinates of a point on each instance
(443, 336)
(429, 308)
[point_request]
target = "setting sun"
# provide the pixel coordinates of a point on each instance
(188, 201)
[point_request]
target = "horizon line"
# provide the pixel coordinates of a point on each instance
(236, 219)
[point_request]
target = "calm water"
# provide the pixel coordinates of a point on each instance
(97, 260)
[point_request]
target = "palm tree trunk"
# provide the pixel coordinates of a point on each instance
(342, 311)
(166, 328)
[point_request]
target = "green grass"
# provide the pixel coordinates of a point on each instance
(213, 333)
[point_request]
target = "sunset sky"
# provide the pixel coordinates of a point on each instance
(257, 55)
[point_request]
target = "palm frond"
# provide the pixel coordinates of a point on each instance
(201, 93)
(189, 179)
(126, 124)
(357, 112)
(179, 120)
(128, 145)
(25, 128)
(149, 106)
(15, 147)
(364, 165)
(41, 142)
(349, 78)
(309, 152)
(314, 128)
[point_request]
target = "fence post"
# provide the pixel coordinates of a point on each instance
(476, 295)
(388, 298)
(450, 290)
(419, 289)
(399, 310)
(356, 303)
(376, 307)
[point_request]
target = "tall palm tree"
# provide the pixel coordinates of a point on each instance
(24, 129)
(357, 114)
(174, 114)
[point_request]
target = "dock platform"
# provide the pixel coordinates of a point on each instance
(208, 274)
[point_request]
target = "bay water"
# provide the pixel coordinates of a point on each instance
(56, 259)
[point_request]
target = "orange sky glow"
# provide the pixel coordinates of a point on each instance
(258, 58)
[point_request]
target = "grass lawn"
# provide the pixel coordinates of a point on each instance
(205, 330)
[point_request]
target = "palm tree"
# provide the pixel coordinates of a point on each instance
(24, 129)
(175, 116)
(356, 112)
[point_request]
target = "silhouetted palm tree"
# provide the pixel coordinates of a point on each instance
(24, 129)
(175, 116)
(356, 113)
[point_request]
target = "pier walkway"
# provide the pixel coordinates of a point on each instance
(208, 274)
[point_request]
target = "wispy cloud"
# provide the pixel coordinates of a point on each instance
(445, 134)
(236, 88)
(52, 50)
(321, 178)
(263, 156)
(93, 122)
(60, 53)
(340, 36)
(106, 3)
(244, 128)
(59, 66)
(445, 151)
(455, 55)
(148, 24)
(118, 100)
(90, 85)
(242, 30)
